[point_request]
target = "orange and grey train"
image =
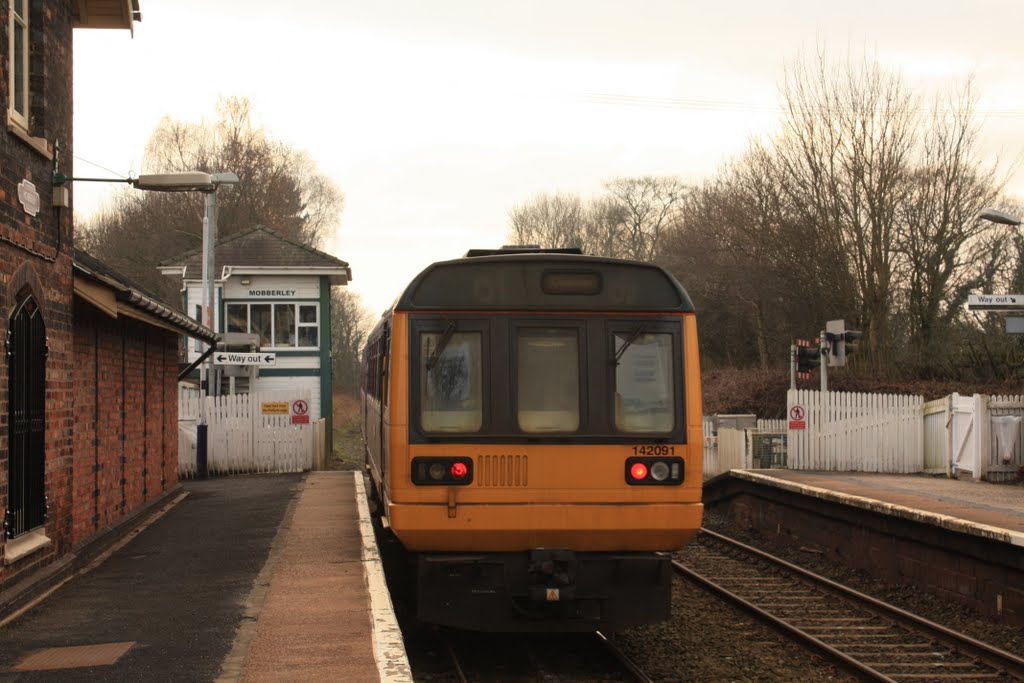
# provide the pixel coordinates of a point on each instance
(532, 421)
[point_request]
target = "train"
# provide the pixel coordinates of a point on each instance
(532, 421)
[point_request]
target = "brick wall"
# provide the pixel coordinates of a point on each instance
(111, 402)
(126, 452)
(35, 256)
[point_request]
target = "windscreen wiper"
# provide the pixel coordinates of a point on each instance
(637, 331)
(446, 337)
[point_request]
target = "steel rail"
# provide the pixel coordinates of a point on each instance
(842, 658)
(623, 659)
(1003, 662)
(990, 655)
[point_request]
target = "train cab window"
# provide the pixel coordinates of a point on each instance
(644, 378)
(451, 382)
(548, 379)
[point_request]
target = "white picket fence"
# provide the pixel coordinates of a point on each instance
(240, 438)
(844, 432)
(981, 436)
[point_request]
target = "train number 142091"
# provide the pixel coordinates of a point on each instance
(654, 450)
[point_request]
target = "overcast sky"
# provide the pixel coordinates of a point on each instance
(435, 117)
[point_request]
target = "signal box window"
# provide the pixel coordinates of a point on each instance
(644, 395)
(309, 325)
(548, 380)
(451, 381)
(277, 324)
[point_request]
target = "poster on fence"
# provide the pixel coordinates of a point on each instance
(274, 408)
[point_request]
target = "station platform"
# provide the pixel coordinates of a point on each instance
(994, 511)
(270, 577)
(320, 610)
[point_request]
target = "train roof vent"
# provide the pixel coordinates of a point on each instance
(522, 249)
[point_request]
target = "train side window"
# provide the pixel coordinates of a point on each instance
(548, 379)
(644, 378)
(451, 381)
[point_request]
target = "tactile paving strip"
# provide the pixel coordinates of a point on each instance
(73, 657)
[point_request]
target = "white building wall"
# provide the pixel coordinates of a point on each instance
(296, 385)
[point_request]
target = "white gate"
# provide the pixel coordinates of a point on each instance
(248, 433)
(966, 440)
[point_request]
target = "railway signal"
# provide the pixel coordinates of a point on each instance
(841, 342)
(807, 359)
(804, 356)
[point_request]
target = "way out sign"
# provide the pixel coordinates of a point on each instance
(995, 302)
(228, 358)
(798, 417)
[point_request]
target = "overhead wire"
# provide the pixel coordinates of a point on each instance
(697, 104)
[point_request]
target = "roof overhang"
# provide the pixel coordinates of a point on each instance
(106, 14)
(116, 299)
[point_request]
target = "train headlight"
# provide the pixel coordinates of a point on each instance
(442, 471)
(659, 471)
(655, 471)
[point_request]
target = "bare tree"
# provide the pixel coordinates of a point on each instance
(948, 251)
(350, 323)
(848, 136)
(549, 220)
(635, 214)
(280, 188)
(627, 221)
(746, 264)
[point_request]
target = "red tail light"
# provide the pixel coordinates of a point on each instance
(638, 471)
(442, 471)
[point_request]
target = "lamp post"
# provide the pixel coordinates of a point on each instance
(207, 183)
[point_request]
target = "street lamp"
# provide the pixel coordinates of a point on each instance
(997, 216)
(207, 183)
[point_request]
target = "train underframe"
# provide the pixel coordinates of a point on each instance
(544, 589)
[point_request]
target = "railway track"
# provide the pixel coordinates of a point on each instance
(568, 658)
(865, 635)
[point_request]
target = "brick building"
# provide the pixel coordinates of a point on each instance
(87, 384)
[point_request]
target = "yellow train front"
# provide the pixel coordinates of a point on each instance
(532, 422)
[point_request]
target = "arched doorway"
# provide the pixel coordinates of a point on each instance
(26, 405)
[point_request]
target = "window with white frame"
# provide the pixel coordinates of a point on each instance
(279, 325)
(19, 54)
